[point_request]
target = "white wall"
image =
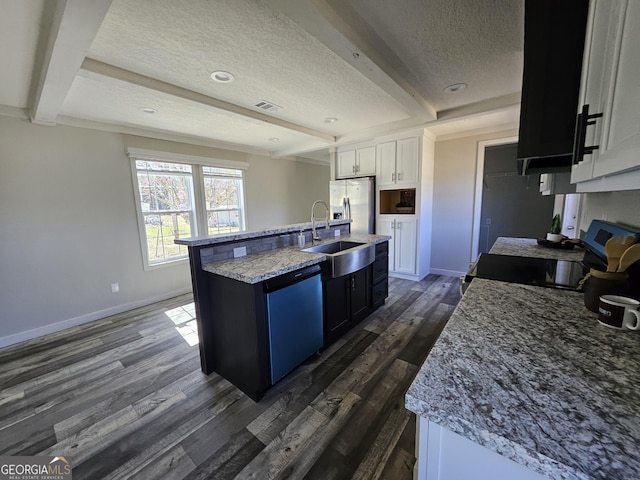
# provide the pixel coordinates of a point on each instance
(453, 201)
(68, 224)
(615, 207)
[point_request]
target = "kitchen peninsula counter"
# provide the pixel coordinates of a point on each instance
(529, 373)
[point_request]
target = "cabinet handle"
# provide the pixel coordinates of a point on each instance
(353, 283)
(579, 137)
(353, 169)
(393, 177)
(399, 176)
(357, 168)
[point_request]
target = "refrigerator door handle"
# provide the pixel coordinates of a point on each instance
(348, 210)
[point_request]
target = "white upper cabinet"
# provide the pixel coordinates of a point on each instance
(386, 153)
(398, 162)
(356, 163)
(610, 86)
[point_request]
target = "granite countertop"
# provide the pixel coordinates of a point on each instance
(529, 373)
(528, 247)
(262, 266)
(248, 234)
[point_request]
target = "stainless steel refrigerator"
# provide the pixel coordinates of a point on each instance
(354, 198)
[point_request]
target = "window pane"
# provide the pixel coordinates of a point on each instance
(162, 166)
(223, 222)
(222, 193)
(223, 198)
(165, 192)
(221, 172)
(166, 202)
(162, 230)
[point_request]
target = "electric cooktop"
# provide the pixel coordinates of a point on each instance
(551, 273)
(540, 272)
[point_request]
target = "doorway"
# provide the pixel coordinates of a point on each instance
(510, 205)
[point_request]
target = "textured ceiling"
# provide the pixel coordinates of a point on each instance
(378, 66)
(438, 43)
(182, 42)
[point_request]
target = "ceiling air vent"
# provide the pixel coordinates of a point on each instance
(267, 106)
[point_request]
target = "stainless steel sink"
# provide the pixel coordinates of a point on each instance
(333, 247)
(345, 257)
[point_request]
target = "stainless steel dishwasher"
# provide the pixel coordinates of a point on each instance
(294, 319)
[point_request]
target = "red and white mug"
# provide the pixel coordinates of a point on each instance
(619, 312)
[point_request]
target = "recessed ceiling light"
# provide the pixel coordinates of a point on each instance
(147, 110)
(330, 120)
(222, 76)
(274, 139)
(456, 87)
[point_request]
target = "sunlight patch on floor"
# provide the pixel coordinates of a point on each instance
(184, 317)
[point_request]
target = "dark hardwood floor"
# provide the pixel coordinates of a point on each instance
(124, 397)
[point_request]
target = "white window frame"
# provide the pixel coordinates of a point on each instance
(199, 227)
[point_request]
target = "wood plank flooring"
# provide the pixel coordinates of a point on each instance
(124, 397)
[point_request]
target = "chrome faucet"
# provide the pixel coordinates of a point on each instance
(315, 235)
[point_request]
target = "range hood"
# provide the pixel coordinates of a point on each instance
(554, 35)
(550, 164)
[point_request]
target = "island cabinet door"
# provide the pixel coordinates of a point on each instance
(336, 301)
(360, 294)
(347, 301)
(445, 455)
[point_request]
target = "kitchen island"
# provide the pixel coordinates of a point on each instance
(525, 383)
(264, 303)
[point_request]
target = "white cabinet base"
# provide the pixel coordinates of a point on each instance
(444, 455)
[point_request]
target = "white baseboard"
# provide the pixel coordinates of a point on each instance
(404, 276)
(449, 273)
(89, 317)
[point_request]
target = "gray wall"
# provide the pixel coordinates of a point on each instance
(68, 223)
(512, 205)
(453, 201)
(616, 207)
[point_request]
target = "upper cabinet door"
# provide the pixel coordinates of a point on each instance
(398, 163)
(386, 158)
(366, 161)
(620, 139)
(591, 87)
(609, 86)
(407, 161)
(346, 164)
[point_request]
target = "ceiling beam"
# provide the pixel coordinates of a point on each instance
(111, 71)
(73, 26)
(321, 21)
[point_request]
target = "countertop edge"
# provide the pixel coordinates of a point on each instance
(496, 443)
(248, 234)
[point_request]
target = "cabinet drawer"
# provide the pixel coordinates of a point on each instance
(380, 292)
(380, 269)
